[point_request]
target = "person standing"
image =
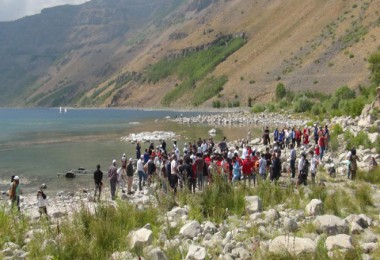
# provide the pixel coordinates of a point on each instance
(199, 164)
(41, 203)
(263, 167)
(236, 170)
(112, 175)
(15, 192)
(130, 176)
(138, 150)
(98, 178)
(174, 173)
(353, 163)
(313, 166)
(124, 170)
(141, 171)
(247, 169)
(275, 167)
(293, 156)
(266, 138)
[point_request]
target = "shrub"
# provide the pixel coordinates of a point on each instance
(344, 93)
(258, 108)
(280, 91)
(302, 104)
(374, 67)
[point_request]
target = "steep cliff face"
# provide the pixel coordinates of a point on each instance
(76, 55)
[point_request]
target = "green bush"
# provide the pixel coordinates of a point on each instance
(280, 91)
(192, 68)
(209, 88)
(302, 104)
(374, 67)
(258, 108)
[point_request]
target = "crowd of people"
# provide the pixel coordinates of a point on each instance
(198, 162)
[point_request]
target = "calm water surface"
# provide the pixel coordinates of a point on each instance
(36, 144)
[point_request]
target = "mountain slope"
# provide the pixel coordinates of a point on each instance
(100, 52)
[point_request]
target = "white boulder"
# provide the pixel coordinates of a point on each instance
(253, 204)
(314, 208)
(293, 245)
(141, 238)
(196, 253)
(331, 225)
(341, 241)
(191, 229)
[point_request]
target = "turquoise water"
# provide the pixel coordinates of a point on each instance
(36, 144)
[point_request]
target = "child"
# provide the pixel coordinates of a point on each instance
(41, 202)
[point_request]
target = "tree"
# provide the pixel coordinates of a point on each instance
(280, 91)
(374, 67)
(344, 93)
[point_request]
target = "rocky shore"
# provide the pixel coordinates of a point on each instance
(243, 118)
(325, 219)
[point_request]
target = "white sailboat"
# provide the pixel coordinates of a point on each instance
(65, 109)
(60, 109)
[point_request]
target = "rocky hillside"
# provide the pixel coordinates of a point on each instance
(184, 53)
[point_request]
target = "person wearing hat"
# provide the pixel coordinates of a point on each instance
(15, 192)
(112, 175)
(130, 176)
(98, 178)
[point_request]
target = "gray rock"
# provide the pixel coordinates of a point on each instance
(191, 229)
(7, 252)
(10, 245)
(368, 237)
(43, 186)
(290, 224)
(331, 225)
(121, 256)
(141, 238)
(355, 228)
(241, 253)
(209, 228)
(366, 257)
(293, 245)
(253, 204)
(57, 213)
(255, 216)
(272, 215)
(196, 253)
(340, 241)
(225, 257)
(314, 208)
(369, 247)
(156, 254)
(362, 220)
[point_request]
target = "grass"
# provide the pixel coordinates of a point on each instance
(208, 89)
(372, 176)
(193, 68)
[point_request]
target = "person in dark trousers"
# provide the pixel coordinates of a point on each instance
(276, 167)
(112, 175)
(293, 157)
(98, 178)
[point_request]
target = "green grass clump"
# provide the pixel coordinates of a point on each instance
(193, 68)
(209, 88)
(217, 201)
(97, 235)
(372, 176)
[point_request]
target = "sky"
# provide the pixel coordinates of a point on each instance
(14, 9)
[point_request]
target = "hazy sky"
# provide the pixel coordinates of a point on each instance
(15, 9)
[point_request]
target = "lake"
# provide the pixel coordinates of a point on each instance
(36, 144)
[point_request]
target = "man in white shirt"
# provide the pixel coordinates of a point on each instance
(174, 173)
(141, 172)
